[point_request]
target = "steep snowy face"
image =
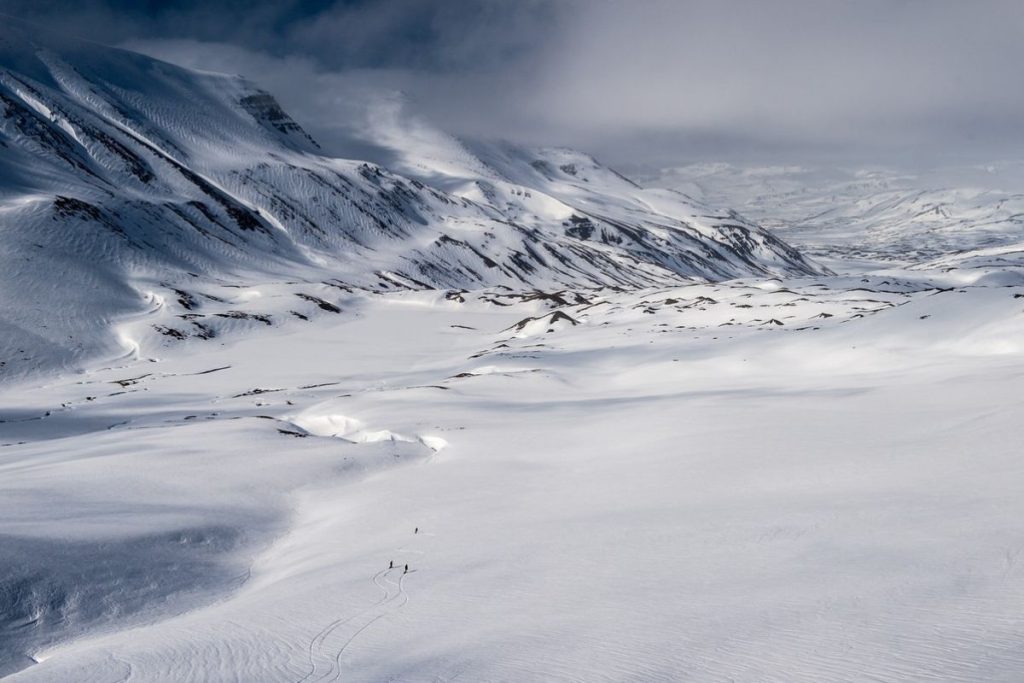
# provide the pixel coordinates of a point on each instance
(562, 193)
(119, 173)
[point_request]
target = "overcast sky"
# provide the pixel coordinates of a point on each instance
(637, 81)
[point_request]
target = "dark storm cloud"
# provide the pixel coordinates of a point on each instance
(639, 80)
(422, 34)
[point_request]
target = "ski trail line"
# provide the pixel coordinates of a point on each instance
(318, 639)
(405, 599)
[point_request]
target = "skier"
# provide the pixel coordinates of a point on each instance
(416, 530)
(391, 564)
(406, 569)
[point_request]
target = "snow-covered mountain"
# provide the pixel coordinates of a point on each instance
(121, 174)
(875, 215)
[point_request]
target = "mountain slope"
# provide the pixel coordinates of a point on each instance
(593, 203)
(120, 174)
(879, 216)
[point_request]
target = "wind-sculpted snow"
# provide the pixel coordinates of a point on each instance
(56, 586)
(119, 170)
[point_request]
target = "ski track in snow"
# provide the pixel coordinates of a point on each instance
(319, 648)
(401, 597)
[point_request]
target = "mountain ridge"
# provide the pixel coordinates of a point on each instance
(120, 172)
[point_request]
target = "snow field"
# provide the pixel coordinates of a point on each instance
(644, 495)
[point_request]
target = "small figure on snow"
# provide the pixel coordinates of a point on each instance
(406, 569)
(391, 564)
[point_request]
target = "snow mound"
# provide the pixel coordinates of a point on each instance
(355, 431)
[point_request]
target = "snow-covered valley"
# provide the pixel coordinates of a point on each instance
(815, 479)
(492, 414)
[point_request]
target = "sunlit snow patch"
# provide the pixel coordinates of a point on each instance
(351, 429)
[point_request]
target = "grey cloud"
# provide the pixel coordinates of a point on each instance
(650, 81)
(912, 74)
